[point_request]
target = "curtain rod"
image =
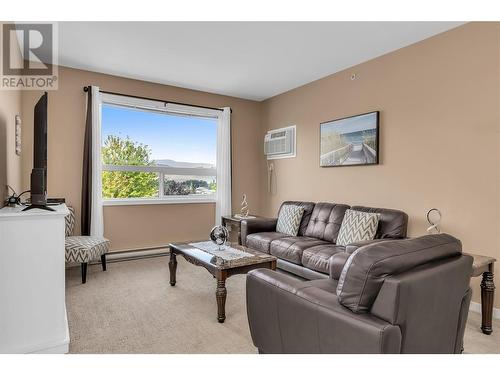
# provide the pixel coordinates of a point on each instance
(86, 89)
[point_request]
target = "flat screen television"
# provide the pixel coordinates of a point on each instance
(38, 188)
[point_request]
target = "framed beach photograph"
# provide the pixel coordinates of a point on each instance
(350, 141)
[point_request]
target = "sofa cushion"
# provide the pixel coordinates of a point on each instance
(291, 248)
(325, 221)
(392, 223)
(357, 226)
(366, 269)
(318, 257)
(289, 219)
(308, 209)
(262, 241)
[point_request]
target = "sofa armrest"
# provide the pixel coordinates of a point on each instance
(256, 225)
(352, 247)
(336, 264)
(287, 315)
(337, 261)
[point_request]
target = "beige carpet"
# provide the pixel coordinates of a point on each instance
(132, 308)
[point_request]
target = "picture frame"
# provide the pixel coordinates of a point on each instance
(350, 141)
(18, 123)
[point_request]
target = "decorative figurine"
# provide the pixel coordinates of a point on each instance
(244, 206)
(434, 218)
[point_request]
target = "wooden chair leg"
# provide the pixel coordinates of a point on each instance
(103, 262)
(84, 272)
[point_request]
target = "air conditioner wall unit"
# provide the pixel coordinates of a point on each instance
(280, 143)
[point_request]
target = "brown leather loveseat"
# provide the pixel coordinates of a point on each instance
(309, 253)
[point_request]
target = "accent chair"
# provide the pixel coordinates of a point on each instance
(83, 249)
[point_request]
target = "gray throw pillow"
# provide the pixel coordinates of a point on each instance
(357, 226)
(289, 219)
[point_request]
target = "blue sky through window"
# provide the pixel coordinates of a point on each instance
(352, 124)
(184, 139)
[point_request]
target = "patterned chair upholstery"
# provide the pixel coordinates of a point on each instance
(84, 249)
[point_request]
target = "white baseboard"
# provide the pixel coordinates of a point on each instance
(476, 307)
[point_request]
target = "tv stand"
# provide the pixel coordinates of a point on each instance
(32, 286)
(40, 206)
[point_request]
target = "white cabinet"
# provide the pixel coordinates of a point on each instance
(32, 281)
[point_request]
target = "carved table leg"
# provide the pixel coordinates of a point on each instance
(220, 295)
(172, 265)
(487, 293)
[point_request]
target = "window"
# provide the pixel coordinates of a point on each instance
(154, 152)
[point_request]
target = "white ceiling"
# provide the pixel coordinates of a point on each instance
(252, 60)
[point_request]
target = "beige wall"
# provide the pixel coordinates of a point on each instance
(10, 163)
(439, 136)
(148, 225)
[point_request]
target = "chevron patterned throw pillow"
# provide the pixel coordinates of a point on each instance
(357, 226)
(289, 219)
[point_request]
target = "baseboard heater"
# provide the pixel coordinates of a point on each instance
(135, 254)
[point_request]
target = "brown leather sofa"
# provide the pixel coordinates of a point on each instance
(391, 296)
(309, 253)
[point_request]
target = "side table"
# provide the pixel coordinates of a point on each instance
(483, 266)
(233, 225)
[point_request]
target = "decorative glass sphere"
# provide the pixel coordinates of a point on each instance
(219, 235)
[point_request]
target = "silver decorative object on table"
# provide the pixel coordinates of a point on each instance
(244, 209)
(219, 235)
(434, 218)
(244, 206)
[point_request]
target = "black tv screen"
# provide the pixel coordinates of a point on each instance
(38, 187)
(40, 134)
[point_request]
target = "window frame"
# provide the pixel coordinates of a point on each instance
(168, 109)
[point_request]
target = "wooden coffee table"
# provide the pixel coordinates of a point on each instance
(220, 268)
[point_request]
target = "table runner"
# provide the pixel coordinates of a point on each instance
(226, 252)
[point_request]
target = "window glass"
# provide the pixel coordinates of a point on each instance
(148, 154)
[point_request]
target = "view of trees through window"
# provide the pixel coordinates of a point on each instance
(121, 184)
(150, 155)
